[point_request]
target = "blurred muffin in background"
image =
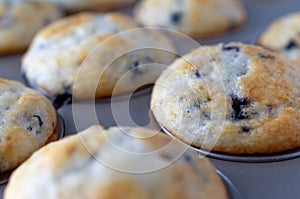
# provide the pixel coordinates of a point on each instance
(84, 5)
(19, 22)
(55, 57)
(196, 18)
(114, 163)
(283, 36)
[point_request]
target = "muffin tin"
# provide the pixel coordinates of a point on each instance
(232, 191)
(259, 158)
(273, 176)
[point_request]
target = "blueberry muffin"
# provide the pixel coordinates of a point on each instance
(283, 36)
(197, 18)
(233, 98)
(19, 22)
(57, 56)
(27, 120)
(80, 5)
(62, 169)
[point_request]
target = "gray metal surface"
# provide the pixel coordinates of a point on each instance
(277, 180)
(232, 191)
(272, 180)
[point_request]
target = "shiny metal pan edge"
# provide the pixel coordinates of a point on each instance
(232, 191)
(244, 158)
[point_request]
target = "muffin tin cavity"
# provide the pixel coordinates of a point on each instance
(257, 158)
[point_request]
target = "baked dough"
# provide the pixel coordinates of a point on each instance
(100, 5)
(197, 18)
(58, 56)
(79, 167)
(283, 36)
(27, 120)
(19, 22)
(233, 98)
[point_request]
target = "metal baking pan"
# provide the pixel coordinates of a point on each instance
(258, 158)
(232, 191)
(272, 179)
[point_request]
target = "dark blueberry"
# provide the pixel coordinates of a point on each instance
(180, 99)
(166, 156)
(149, 59)
(242, 72)
(176, 17)
(135, 68)
(39, 119)
(187, 157)
(207, 115)
(231, 48)
(270, 110)
(136, 64)
(254, 114)
(198, 74)
(291, 45)
(246, 129)
(238, 105)
(265, 56)
(29, 128)
(197, 104)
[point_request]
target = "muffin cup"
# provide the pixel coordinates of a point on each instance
(258, 158)
(66, 98)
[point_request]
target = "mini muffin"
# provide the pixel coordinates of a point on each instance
(88, 166)
(233, 98)
(283, 36)
(27, 120)
(19, 22)
(80, 5)
(58, 53)
(197, 18)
